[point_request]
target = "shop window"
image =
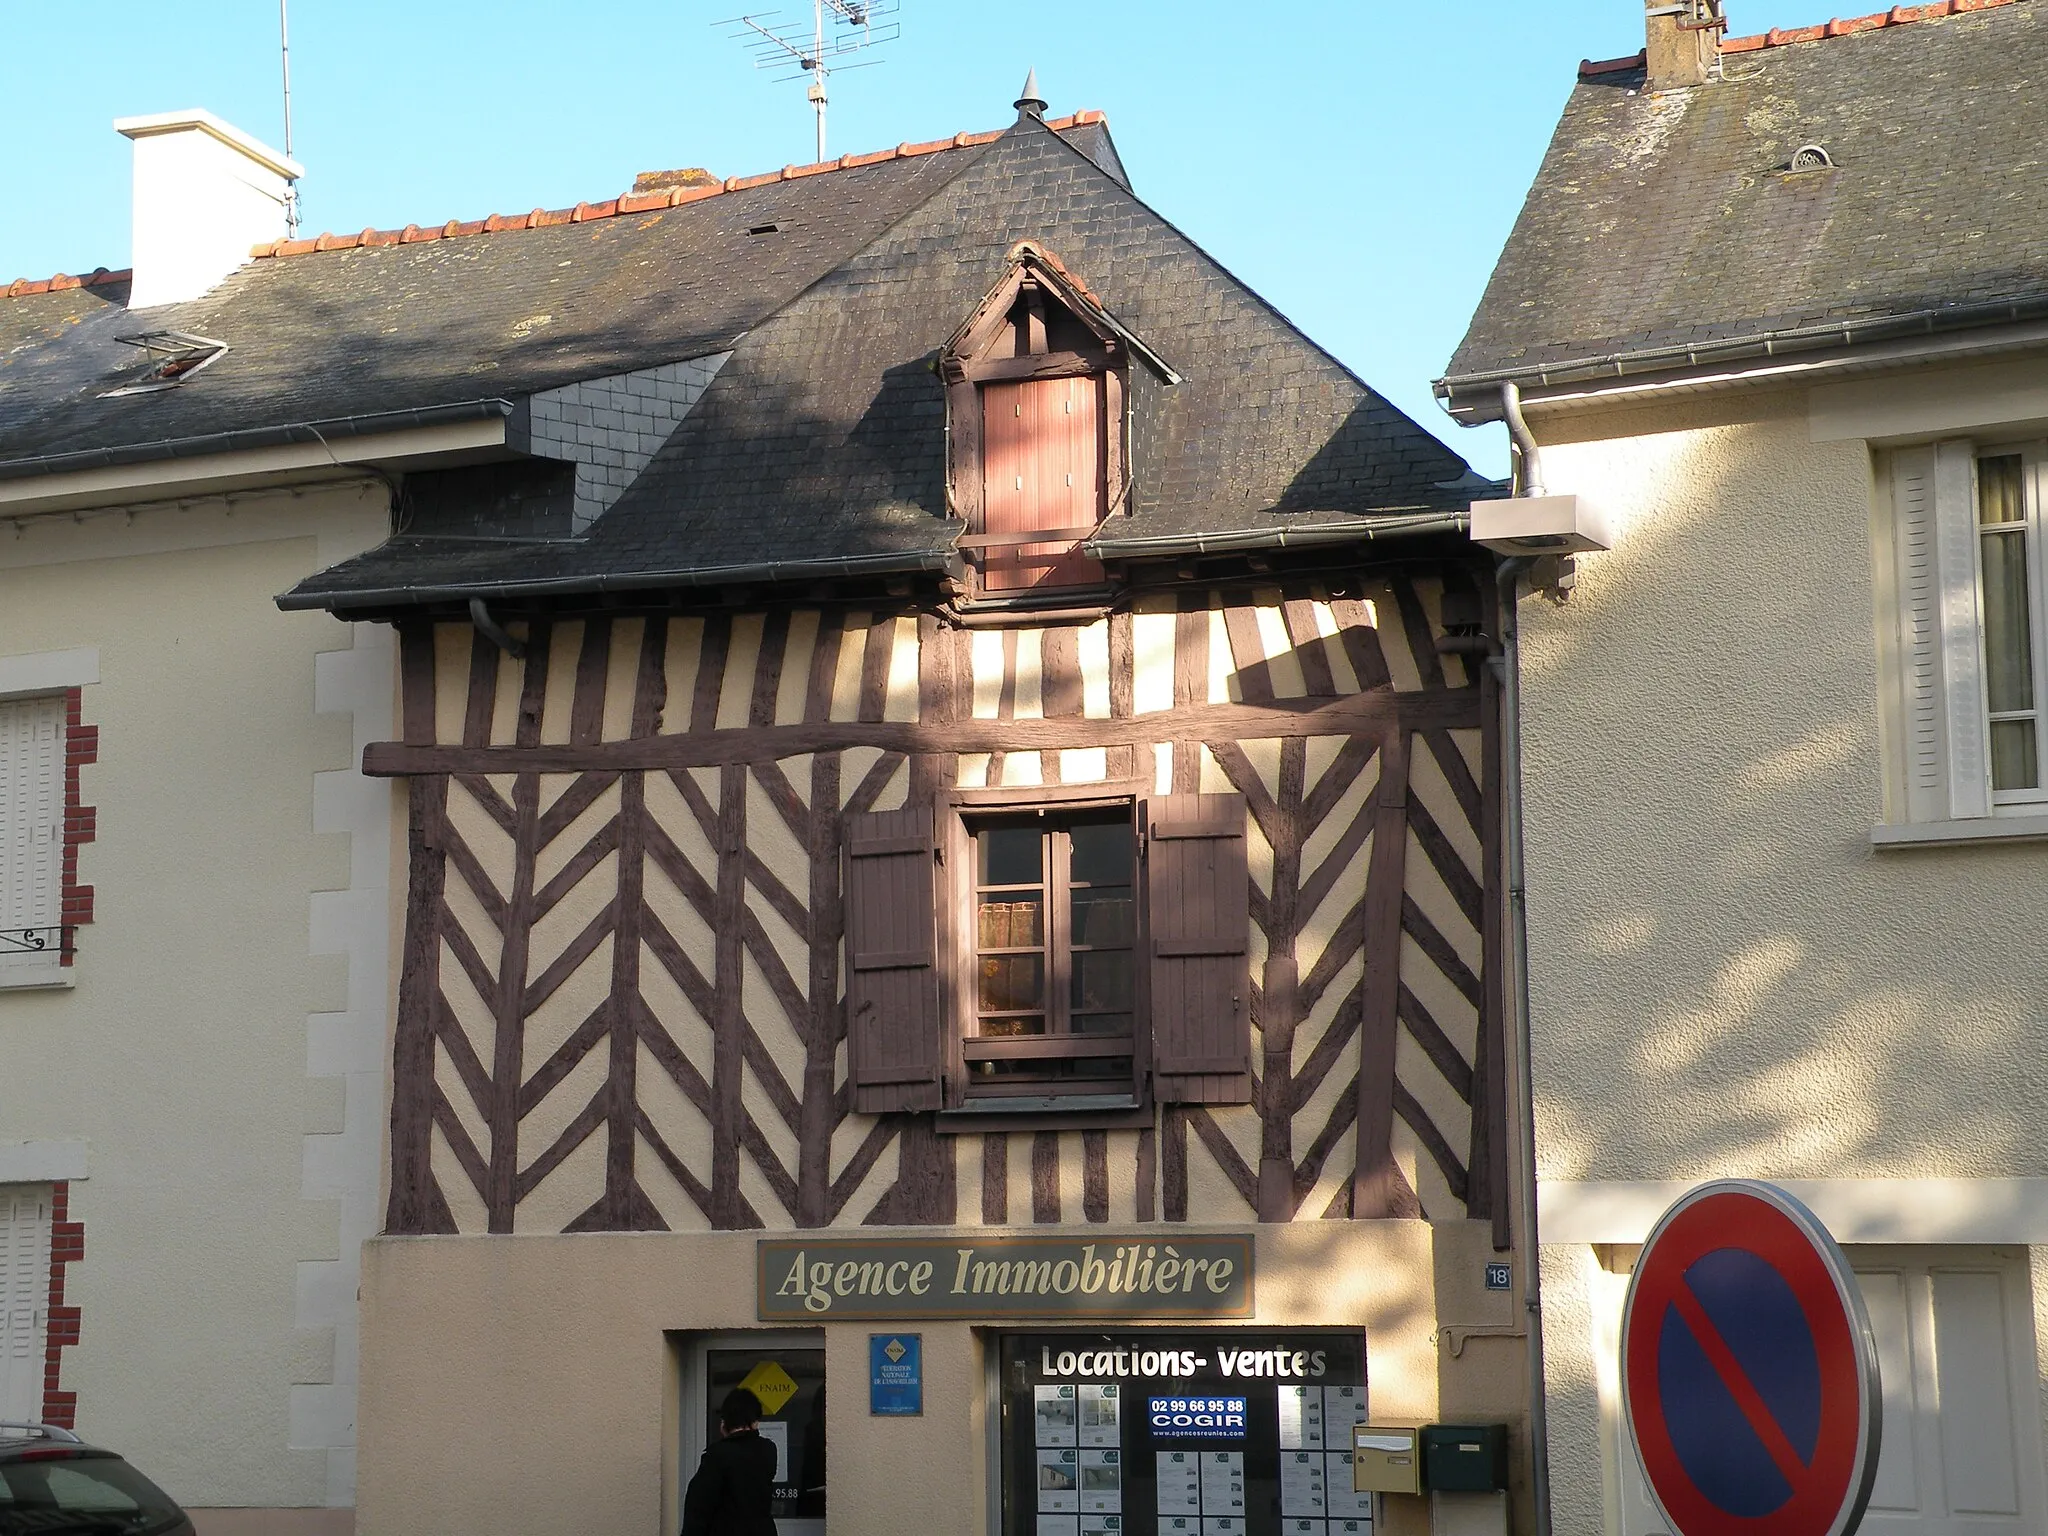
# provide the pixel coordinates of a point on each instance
(1012, 951)
(1244, 1431)
(1036, 389)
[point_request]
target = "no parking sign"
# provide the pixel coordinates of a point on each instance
(1749, 1372)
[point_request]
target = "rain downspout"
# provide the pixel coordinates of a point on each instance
(492, 630)
(1508, 668)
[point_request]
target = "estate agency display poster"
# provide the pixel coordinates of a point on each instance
(1216, 1432)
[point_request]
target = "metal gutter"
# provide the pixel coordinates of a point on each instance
(1303, 536)
(252, 438)
(894, 564)
(1761, 344)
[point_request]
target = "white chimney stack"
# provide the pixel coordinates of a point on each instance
(204, 193)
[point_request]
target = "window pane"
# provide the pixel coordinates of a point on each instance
(1102, 853)
(2008, 652)
(1102, 980)
(1011, 856)
(1012, 983)
(1005, 1029)
(2001, 497)
(1012, 924)
(1104, 917)
(1102, 1024)
(2013, 756)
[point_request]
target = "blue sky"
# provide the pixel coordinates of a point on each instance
(1359, 164)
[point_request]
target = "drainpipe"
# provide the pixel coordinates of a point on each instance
(492, 630)
(1508, 668)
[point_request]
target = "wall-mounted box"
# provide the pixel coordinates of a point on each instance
(1385, 1459)
(1465, 1458)
(1540, 525)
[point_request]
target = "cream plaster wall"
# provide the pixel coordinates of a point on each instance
(526, 1384)
(1726, 977)
(221, 1053)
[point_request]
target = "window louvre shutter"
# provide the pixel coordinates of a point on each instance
(1198, 907)
(31, 824)
(24, 1292)
(1962, 630)
(893, 1047)
(1947, 747)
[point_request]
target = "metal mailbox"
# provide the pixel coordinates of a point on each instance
(1465, 1458)
(1385, 1459)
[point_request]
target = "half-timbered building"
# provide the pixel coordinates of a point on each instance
(962, 799)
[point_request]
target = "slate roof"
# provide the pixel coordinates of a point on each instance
(820, 444)
(1665, 227)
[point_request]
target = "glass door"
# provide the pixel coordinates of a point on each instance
(786, 1371)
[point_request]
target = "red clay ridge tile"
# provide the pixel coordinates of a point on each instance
(99, 277)
(631, 203)
(1844, 26)
(1779, 37)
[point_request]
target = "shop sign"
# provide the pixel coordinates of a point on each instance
(1186, 1418)
(1004, 1277)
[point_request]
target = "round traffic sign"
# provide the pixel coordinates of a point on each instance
(1748, 1369)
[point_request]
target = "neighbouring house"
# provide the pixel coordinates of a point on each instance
(951, 863)
(1775, 307)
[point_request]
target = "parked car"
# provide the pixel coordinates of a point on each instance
(53, 1484)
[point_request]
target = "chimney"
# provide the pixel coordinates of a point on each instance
(204, 193)
(1682, 42)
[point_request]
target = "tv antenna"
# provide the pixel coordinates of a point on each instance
(839, 29)
(291, 188)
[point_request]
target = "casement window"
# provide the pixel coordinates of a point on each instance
(1973, 622)
(1011, 951)
(32, 772)
(1037, 381)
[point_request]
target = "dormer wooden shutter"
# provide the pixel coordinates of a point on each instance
(1198, 906)
(894, 1051)
(1042, 471)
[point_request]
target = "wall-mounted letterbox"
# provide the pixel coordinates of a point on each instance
(1385, 1459)
(1465, 1458)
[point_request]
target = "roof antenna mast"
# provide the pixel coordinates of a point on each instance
(838, 30)
(291, 188)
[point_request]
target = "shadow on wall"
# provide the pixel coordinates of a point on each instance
(1726, 978)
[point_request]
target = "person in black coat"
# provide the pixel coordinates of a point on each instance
(733, 1490)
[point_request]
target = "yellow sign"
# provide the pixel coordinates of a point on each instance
(770, 1383)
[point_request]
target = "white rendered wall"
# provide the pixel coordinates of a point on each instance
(217, 1069)
(1727, 978)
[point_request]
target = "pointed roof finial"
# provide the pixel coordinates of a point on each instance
(1030, 104)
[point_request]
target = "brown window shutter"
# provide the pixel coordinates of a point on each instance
(1042, 469)
(893, 1047)
(1198, 906)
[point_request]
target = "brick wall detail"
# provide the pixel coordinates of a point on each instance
(67, 1246)
(610, 427)
(81, 822)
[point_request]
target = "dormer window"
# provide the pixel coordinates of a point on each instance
(1037, 385)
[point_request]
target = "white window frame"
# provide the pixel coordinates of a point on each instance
(1932, 645)
(2033, 458)
(22, 967)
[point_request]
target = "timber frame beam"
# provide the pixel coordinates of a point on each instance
(1356, 714)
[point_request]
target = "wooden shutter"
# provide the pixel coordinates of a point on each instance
(1198, 908)
(894, 1050)
(24, 1293)
(31, 826)
(1948, 771)
(1042, 469)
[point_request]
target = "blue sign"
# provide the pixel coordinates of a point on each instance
(895, 1373)
(1209, 1418)
(1499, 1277)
